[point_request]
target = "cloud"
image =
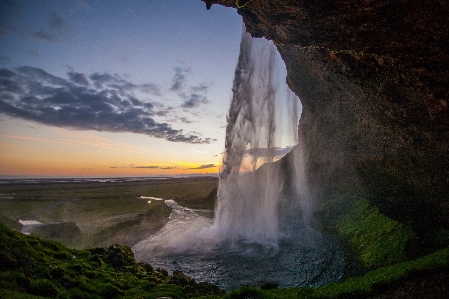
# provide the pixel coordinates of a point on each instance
(194, 101)
(144, 166)
(193, 97)
(268, 152)
(179, 78)
(185, 120)
(115, 81)
(53, 28)
(54, 31)
(78, 78)
(196, 96)
(151, 167)
(203, 88)
(204, 166)
(101, 102)
(100, 80)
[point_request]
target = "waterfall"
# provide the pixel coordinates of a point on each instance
(262, 119)
(260, 230)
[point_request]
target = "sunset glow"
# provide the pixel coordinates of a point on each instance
(129, 88)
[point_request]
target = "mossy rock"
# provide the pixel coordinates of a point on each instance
(375, 239)
(117, 256)
(36, 267)
(180, 279)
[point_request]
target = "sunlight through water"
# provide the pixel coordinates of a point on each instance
(262, 227)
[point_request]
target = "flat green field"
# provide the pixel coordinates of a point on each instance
(91, 214)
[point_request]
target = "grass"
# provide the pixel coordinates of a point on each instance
(32, 266)
(100, 214)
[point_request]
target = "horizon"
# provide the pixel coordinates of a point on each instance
(122, 89)
(185, 175)
(116, 89)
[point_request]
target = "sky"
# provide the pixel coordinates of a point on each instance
(114, 88)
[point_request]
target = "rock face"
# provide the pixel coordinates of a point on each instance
(373, 78)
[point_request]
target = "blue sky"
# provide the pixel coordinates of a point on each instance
(107, 88)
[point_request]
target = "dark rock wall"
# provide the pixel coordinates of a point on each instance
(373, 78)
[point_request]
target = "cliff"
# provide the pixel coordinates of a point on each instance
(373, 79)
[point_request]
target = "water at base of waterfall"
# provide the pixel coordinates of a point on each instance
(260, 233)
(293, 264)
(304, 257)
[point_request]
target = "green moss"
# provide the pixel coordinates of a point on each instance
(43, 287)
(4, 293)
(30, 266)
(375, 239)
(386, 276)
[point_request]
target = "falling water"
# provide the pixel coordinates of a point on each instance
(262, 118)
(260, 231)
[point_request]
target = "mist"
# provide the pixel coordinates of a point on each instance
(260, 231)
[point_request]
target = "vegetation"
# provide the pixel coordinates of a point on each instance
(31, 266)
(375, 239)
(91, 214)
(372, 283)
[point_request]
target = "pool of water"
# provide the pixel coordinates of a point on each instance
(303, 257)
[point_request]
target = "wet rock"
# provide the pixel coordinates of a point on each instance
(373, 79)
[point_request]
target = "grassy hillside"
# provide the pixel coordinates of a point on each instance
(92, 214)
(31, 267)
